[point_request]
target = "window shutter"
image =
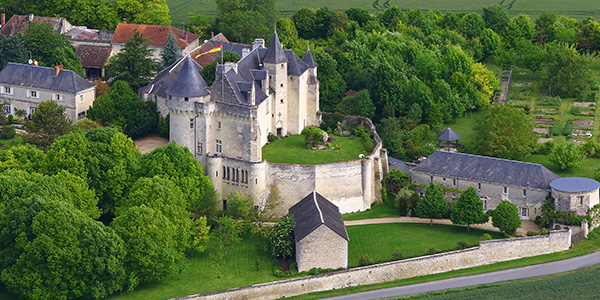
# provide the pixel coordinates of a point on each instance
(53, 96)
(28, 93)
(1, 90)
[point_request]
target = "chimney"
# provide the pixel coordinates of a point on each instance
(185, 37)
(245, 51)
(212, 34)
(258, 43)
(56, 70)
(125, 20)
(30, 17)
(230, 65)
(2, 20)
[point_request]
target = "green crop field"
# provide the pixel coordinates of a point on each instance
(578, 284)
(581, 9)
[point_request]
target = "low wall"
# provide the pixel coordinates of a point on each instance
(486, 253)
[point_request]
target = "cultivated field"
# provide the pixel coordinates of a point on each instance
(581, 9)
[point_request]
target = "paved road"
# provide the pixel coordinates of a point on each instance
(530, 271)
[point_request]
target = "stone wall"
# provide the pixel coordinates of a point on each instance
(486, 253)
(568, 201)
(323, 248)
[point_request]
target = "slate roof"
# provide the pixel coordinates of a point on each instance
(313, 211)
(43, 78)
(275, 53)
(308, 59)
(81, 33)
(93, 56)
(575, 184)
(397, 164)
(217, 40)
(487, 169)
(189, 82)
(159, 85)
(448, 135)
(19, 23)
(156, 34)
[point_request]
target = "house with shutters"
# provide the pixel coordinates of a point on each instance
(23, 87)
(320, 234)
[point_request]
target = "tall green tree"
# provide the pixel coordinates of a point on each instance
(12, 49)
(495, 17)
(169, 53)
(506, 132)
(357, 105)
(280, 240)
(155, 12)
(227, 232)
(331, 84)
(506, 217)
(545, 25)
(48, 122)
(133, 64)
(468, 209)
(245, 20)
(569, 72)
(49, 47)
(432, 205)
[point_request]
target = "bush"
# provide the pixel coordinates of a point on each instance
(462, 244)
(432, 250)
(398, 255)
(485, 237)
(7, 132)
(163, 127)
(10, 119)
(364, 260)
(573, 219)
(576, 110)
(532, 233)
(271, 138)
(568, 129)
(556, 130)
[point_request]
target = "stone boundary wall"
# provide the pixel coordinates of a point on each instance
(486, 253)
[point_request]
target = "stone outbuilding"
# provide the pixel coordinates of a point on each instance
(576, 194)
(320, 234)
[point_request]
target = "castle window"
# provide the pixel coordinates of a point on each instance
(484, 200)
(479, 186)
(430, 178)
(191, 123)
(224, 172)
(454, 182)
(8, 90)
(219, 125)
(33, 94)
(228, 173)
(80, 98)
(281, 101)
(57, 97)
(219, 146)
(186, 99)
(81, 115)
(199, 148)
(281, 85)
(579, 200)
(170, 97)
(524, 212)
(444, 179)
(524, 193)
(237, 175)
(282, 66)
(505, 190)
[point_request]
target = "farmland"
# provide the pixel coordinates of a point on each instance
(180, 9)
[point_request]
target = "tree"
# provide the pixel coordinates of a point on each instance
(506, 132)
(396, 180)
(357, 105)
(154, 12)
(169, 53)
(286, 30)
(122, 108)
(71, 153)
(305, 20)
(331, 83)
(359, 15)
(240, 207)
(12, 49)
(491, 43)
(200, 25)
(66, 254)
(533, 57)
(566, 155)
(495, 17)
(468, 209)
(545, 25)
(134, 64)
(569, 72)
(49, 47)
(280, 240)
(227, 232)
(471, 25)
(48, 122)
(506, 217)
(433, 204)
(245, 20)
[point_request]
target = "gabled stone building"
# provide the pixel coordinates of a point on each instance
(23, 87)
(320, 234)
(524, 184)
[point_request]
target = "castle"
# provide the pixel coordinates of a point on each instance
(269, 91)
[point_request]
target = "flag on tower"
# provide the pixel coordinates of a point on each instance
(215, 49)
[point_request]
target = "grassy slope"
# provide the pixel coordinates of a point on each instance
(17, 140)
(379, 241)
(180, 9)
(291, 150)
(577, 284)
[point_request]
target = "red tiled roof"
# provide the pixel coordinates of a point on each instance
(206, 58)
(19, 23)
(93, 56)
(156, 34)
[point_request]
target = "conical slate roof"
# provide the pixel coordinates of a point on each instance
(275, 53)
(308, 59)
(448, 135)
(189, 82)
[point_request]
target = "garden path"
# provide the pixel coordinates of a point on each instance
(148, 143)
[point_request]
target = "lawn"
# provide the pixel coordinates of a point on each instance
(17, 140)
(465, 127)
(378, 210)
(181, 9)
(586, 169)
(379, 241)
(291, 150)
(577, 284)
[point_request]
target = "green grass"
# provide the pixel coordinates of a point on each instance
(17, 140)
(379, 241)
(384, 209)
(584, 247)
(586, 169)
(576, 284)
(465, 127)
(581, 9)
(291, 150)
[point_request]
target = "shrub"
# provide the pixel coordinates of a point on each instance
(568, 129)
(556, 130)
(532, 233)
(10, 119)
(573, 219)
(163, 127)
(7, 132)
(576, 110)
(462, 244)
(271, 137)
(432, 250)
(398, 255)
(364, 260)
(485, 237)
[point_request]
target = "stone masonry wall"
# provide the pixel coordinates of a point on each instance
(486, 253)
(322, 248)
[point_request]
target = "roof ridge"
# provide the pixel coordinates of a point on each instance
(317, 206)
(494, 158)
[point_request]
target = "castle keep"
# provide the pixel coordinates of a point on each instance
(269, 91)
